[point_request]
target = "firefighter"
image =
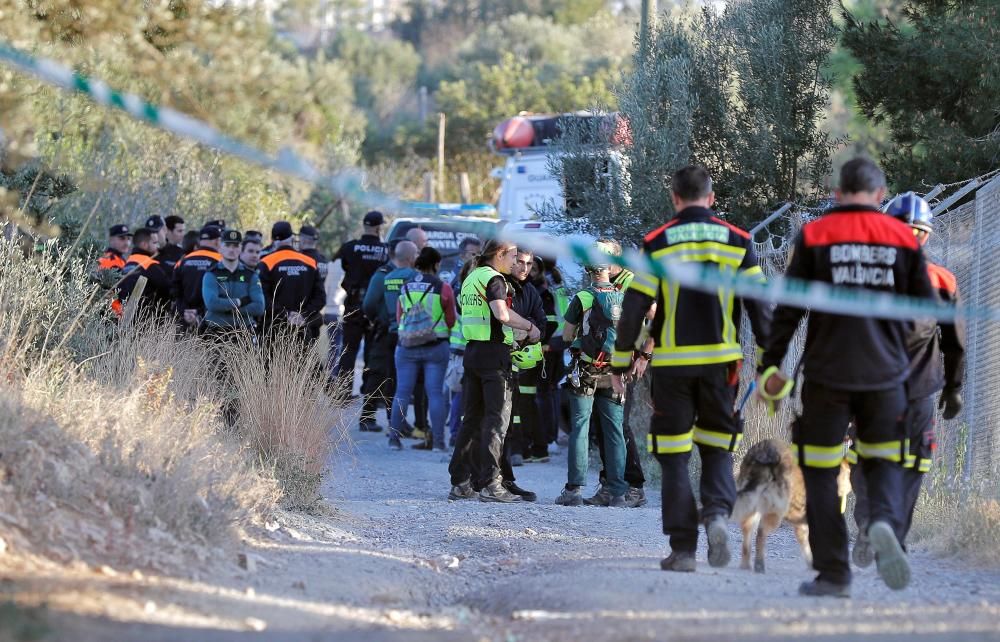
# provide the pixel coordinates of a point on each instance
(595, 311)
(695, 365)
(155, 295)
(188, 275)
(119, 244)
(173, 233)
(379, 307)
(937, 364)
(488, 325)
(854, 368)
(358, 259)
(293, 290)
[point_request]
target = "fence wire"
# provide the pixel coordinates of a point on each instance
(965, 242)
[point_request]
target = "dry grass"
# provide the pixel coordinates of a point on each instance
(961, 522)
(111, 434)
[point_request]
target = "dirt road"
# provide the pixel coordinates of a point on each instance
(394, 560)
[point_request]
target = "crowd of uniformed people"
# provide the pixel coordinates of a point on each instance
(483, 360)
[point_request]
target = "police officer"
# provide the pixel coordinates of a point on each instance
(173, 233)
(937, 364)
(156, 225)
(695, 366)
(188, 276)
(308, 241)
(379, 307)
(233, 295)
(488, 324)
(119, 245)
(155, 295)
(359, 259)
(293, 290)
(854, 367)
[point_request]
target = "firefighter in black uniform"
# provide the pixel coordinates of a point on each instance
(695, 365)
(188, 274)
(359, 260)
(854, 368)
(293, 292)
(937, 364)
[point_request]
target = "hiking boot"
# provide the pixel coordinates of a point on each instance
(893, 567)
(678, 562)
(370, 426)
(822, 588)
(416, 433)
(395, 443)
(617, 501)
(514, 489)
(862, 553)
(495, 492)
(635, 497)
(462, 491)
(718, 542)
(601, 498)
(423, 445)
(534, 459)
(570, 497)
(516, 460)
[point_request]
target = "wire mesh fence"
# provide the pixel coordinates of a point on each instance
(963, 242)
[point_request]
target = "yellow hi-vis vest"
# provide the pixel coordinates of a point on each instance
(477, 318)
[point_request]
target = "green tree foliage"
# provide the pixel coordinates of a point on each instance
(932, 74)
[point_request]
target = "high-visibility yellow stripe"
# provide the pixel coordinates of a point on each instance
(645, 284)
(723, 440)
(924, 465)
(697, 355)
(527, 390)
(754, 271)
(888, 450)
(670, 444)
(819, 456)
(704, 251)
(621, 358)
(910, 461)
(851, 456)
(517, 419)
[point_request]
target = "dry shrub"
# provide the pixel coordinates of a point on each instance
(960, 520)
(287, 413)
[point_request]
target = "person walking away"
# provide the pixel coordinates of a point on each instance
(695, 365)
(155, 298)
(173, 233)
(595, 312)
(359, 259)
(635, 496)
(937, 365)
(425, 313)
(853, 368)
(293, 290)
(378, 382)
(188, 275)
(488, 326)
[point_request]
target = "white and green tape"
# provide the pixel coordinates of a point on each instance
(699, 276)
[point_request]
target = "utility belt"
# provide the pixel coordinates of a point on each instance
(586, 378)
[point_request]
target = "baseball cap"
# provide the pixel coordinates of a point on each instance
(232, 237)
(154, 223)
(280, 231)
(219, 223)
(308, 230)
(374, 218)
(253, 235)
(119, 230)
(209, 233)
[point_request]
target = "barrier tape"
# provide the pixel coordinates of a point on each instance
(700, 276)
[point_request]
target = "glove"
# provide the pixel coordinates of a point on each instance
(773, 399)
(951, 403)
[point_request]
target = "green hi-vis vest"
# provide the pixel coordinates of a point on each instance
(477, 318)
(425, 291)
(602, 307)
(623, 279)
(562, 304)
(457, 339)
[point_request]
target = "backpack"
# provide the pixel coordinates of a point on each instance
(416, 325)
(598, 331)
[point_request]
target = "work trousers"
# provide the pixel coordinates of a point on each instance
(610, 411)
(479, 448)
(548, 394)
(527, 437)
(689, 411)
(354, 328)
(634, 476)
(818, 443)
(379, 384)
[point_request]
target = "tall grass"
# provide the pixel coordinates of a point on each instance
(114, 448)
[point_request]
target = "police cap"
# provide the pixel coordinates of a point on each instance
(281, 231)
(210, 233)
(219, 223)
(232, 237)
(119, 230)
(308, 231)
(374, 218)
(154, 223)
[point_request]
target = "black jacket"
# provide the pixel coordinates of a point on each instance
(528, 303)
(929, 370)
(291, 283)
(856, 247)
(360, 258)
(169, 255)
(188, 274)
(158, 283)
(322, 263)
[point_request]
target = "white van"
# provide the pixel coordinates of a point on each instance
(535, 235)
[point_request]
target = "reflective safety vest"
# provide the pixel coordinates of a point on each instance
(561, 299)
(602, 307)
(457, 339)
(477, 318)
(425, 291)
(111, 260)
(623, 279)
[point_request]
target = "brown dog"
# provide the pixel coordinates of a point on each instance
(770, 488)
